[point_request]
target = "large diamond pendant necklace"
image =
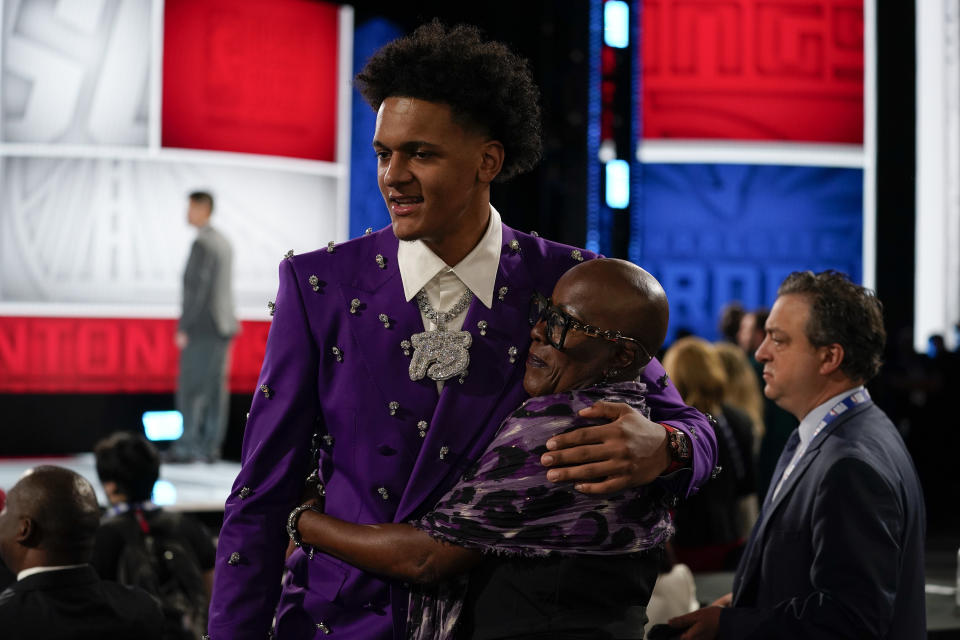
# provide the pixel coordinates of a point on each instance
(441, 354)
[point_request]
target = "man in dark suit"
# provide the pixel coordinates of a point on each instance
(207, 324)
(838, 549)
(47, 530)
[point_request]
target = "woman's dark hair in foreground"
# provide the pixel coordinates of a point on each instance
(488, 87)
(130, 461)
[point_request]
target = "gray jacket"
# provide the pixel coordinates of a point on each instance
(208, 287)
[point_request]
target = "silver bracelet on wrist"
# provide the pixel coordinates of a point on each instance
(292, 526)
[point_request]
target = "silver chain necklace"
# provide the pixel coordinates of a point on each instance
(441, 318)
(441, 354)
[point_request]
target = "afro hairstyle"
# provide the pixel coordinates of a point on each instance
(488, 87)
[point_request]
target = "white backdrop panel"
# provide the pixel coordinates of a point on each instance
(114, 232)
(76, 71)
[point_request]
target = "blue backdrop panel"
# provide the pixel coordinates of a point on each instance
(366, 204)
(716, 233)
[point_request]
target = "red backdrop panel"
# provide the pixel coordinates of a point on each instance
(109, 355)
(258, 76)
(788, 70)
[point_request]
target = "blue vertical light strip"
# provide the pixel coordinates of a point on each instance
(366, 204)
(595, 43)
(635, 244)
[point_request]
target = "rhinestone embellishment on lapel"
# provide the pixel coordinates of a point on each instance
(323, 628)
(337, 353)
(535, 234)
(444, 450)
(354, 305)
(406, 345)
(393, 406)
(244, 493)
(482, 325)
(385, 319)
(383, 493)
(502, 293)
(422, 428)
(576, 255)
(368, 231)
(512, 353)
(515, 246)
(381, 262)
(314, 282)
(266, 390)
(330, 246)
(234, 559)
(271, 306)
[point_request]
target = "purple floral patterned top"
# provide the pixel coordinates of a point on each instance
(505, 505)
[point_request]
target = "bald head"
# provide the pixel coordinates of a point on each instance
(51, 517)
(619, 295)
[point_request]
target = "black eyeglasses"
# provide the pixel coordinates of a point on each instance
(559, 322)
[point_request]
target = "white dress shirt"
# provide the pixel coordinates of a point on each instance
(26, 573)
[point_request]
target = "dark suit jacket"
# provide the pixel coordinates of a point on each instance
(839, 552)
(76, 604)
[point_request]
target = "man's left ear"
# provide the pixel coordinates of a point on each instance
(491, 162)
(832, 358)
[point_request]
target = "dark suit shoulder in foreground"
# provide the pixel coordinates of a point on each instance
(76, 604)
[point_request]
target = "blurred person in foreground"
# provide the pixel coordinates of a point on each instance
(709, 525)
(140, 544)
(838, 551)
(47, 530)
(399, 353)
(207, 326)
(7, 577)
(741, 390)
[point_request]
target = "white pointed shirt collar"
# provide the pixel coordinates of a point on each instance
(478, 270)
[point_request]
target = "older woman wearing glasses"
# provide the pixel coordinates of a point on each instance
(506, 553)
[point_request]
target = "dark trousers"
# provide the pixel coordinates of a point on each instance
(202, 396)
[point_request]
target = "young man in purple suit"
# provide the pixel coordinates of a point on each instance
(399, 353)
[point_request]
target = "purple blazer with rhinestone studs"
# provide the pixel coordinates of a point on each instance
(326, 386)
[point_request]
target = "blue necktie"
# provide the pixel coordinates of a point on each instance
(785, 457)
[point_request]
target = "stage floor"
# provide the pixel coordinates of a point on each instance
(183, 487)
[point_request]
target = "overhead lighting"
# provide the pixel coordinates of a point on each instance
(616, 24)
(164, 493)
(618, 184)
(162, 425)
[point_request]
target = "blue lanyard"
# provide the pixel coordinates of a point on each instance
(851, 401)
(839, 409)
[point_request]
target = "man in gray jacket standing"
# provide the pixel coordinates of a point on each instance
(207, 324)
